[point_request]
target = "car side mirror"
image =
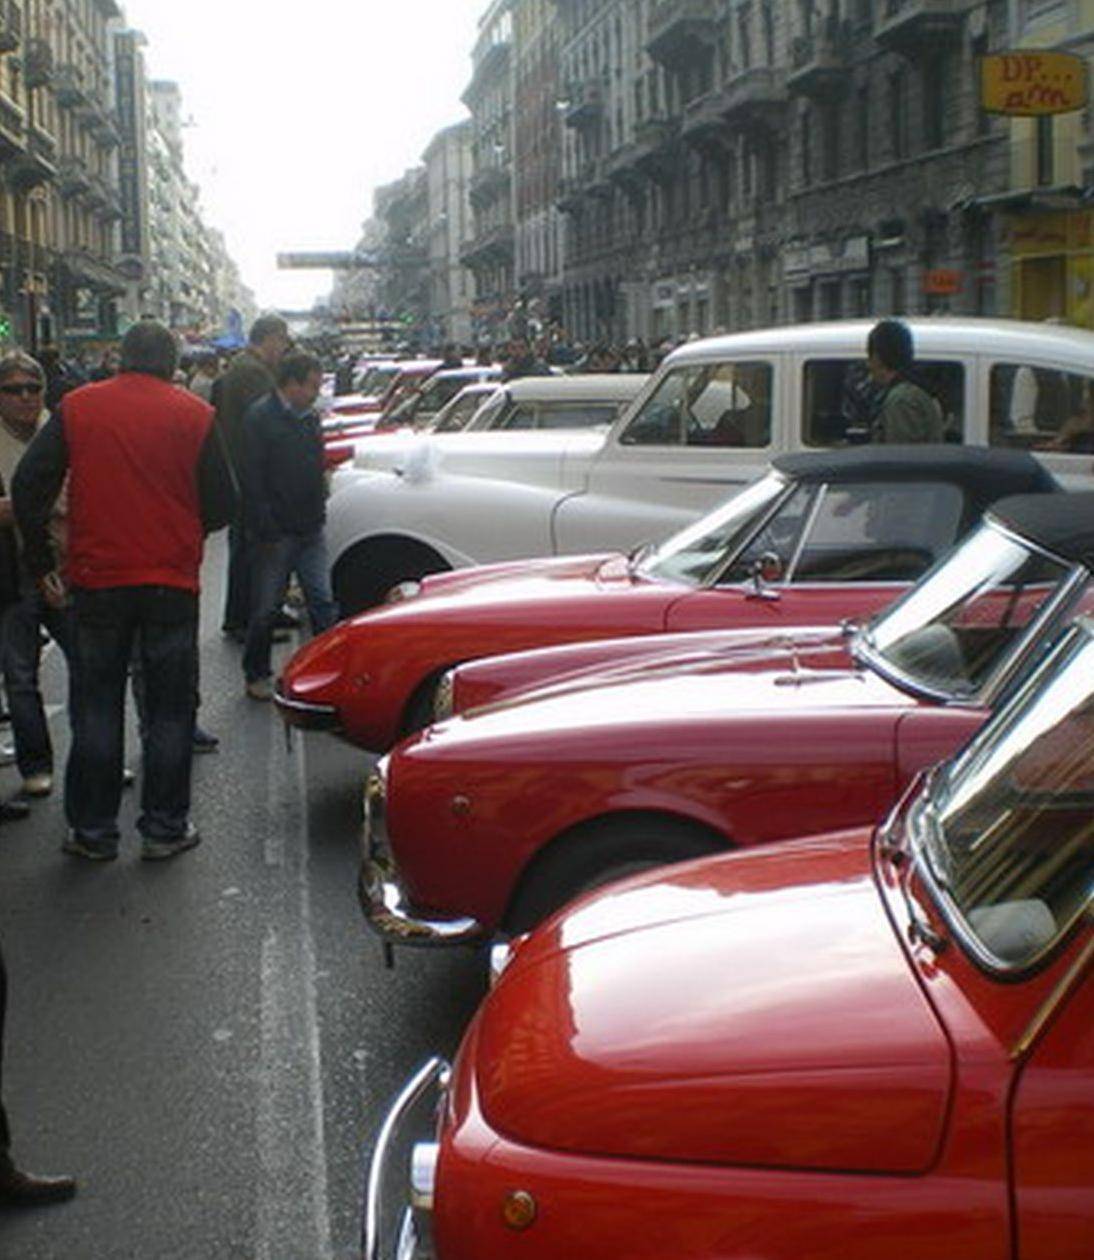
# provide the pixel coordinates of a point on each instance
(765, 569)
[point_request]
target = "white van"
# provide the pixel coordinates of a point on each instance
(707, 423)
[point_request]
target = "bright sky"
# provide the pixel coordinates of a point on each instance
(300, 110)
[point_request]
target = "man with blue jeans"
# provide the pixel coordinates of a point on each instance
(285, 493)
(148, 476)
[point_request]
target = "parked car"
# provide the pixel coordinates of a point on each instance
(489, 821)
(540, 421)
(710, 421)
(824, 536)
(850, 1047)
(418, 407)
(390, 388)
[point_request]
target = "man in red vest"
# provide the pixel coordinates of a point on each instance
(147, 479)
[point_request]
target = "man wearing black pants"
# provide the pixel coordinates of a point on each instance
(18, 1188)
(147, 477)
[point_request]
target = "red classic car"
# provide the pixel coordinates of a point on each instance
(823, 536)
(490, 820)
(850, 1047)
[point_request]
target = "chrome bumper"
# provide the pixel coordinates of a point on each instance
(384, 903)
(307, 717)
(380, 890)
(415, 1235)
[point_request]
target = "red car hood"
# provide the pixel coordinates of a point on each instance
(707, 686)
(755, 1009)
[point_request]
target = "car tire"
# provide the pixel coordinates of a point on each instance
(599, 853)
(364, 575)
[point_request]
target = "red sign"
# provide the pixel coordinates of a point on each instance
(942, 281)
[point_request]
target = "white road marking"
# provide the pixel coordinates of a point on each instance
(293, 1211)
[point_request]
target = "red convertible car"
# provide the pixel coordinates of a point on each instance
(823, 536)
(490, 820)
(851, 1047)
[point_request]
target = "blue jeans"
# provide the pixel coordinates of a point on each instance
(162, 622)
(237, 600)
(273, 563)
(20, 655)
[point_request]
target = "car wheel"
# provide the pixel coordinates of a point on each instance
(365, 574)
(597, 854)
(418, 713)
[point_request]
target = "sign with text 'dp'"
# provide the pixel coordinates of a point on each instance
(1033, 83)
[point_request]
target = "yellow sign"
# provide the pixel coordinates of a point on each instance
(1029, 84)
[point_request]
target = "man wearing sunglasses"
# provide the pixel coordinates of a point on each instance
(22, 390)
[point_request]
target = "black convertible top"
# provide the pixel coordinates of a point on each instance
(1062, 524)
(983, 473)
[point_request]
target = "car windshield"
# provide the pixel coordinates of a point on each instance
(954, 631)
(459, 413)
(375, 379)
(696, 552)
(1007, 832)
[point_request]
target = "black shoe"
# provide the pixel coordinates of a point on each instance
(22, 1189)
(94, 850)
(203, 742)
(13, 810)
(159, 849)
(286, 620)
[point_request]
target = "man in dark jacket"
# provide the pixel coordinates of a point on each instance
(249, 377)
(147, 478)
(285, 492)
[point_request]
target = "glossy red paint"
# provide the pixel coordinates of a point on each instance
(677, 1116)
(745, 750)
(501, 609)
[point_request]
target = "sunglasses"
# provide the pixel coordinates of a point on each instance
(21, 391)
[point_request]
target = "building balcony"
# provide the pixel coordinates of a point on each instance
(11, 26)
(682, 32)
(37, 164)
(491, 248)
(69, 86)
(656, 152)
(571, 194)
(38, 64)
(917, 27)
(109, 8)
(489, 183)
(755, 99)
(819, 62)
(489, 65)
(73, 177)
(704, 124)
(595, 181)
(107, 130)
(585, 104)
(623, 170)
(13, 128)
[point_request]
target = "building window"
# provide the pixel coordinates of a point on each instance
(1046, 138)
(830, 120)
(806, 148)
(862, 127)
(898, 115)
(934, 102)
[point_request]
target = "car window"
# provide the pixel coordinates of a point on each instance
(879, 532)
(1041, 409)
(575, 415)
(489, 416)
(519, 416)
(708, 404)
(459, 413)
(777, 539)
(840, 401)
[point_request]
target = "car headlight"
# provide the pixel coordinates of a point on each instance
(404, 591)
(444, 696)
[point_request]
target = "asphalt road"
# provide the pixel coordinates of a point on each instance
(209, 1043)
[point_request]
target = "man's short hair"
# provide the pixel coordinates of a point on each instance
(296, 367)
(267, 326)
(151, 348)
(890, 341)
(19, 361)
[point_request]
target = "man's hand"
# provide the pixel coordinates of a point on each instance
(53, 588)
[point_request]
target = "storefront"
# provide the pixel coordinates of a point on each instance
(1051, 256)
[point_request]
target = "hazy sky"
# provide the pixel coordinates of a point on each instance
(300, 110)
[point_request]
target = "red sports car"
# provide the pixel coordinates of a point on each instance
(822, 537)
(490, 820)
(847, 1048)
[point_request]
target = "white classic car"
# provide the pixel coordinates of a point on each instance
(707, 423)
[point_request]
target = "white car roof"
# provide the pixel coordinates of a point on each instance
(939, 336)
(617, 387)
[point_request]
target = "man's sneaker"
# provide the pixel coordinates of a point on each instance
(129, 777)
(7, 754)
(93, 850)
(286, 619)
(203, 742)
(158, 848)
(260, 689)
(40, 784)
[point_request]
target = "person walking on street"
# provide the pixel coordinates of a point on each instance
(285, 491)
(22, 388)
(907, 413)
(521, 361)
(147, 478)
(19, 1188)
(249, 377)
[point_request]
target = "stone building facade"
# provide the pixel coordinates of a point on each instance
(450, 228)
